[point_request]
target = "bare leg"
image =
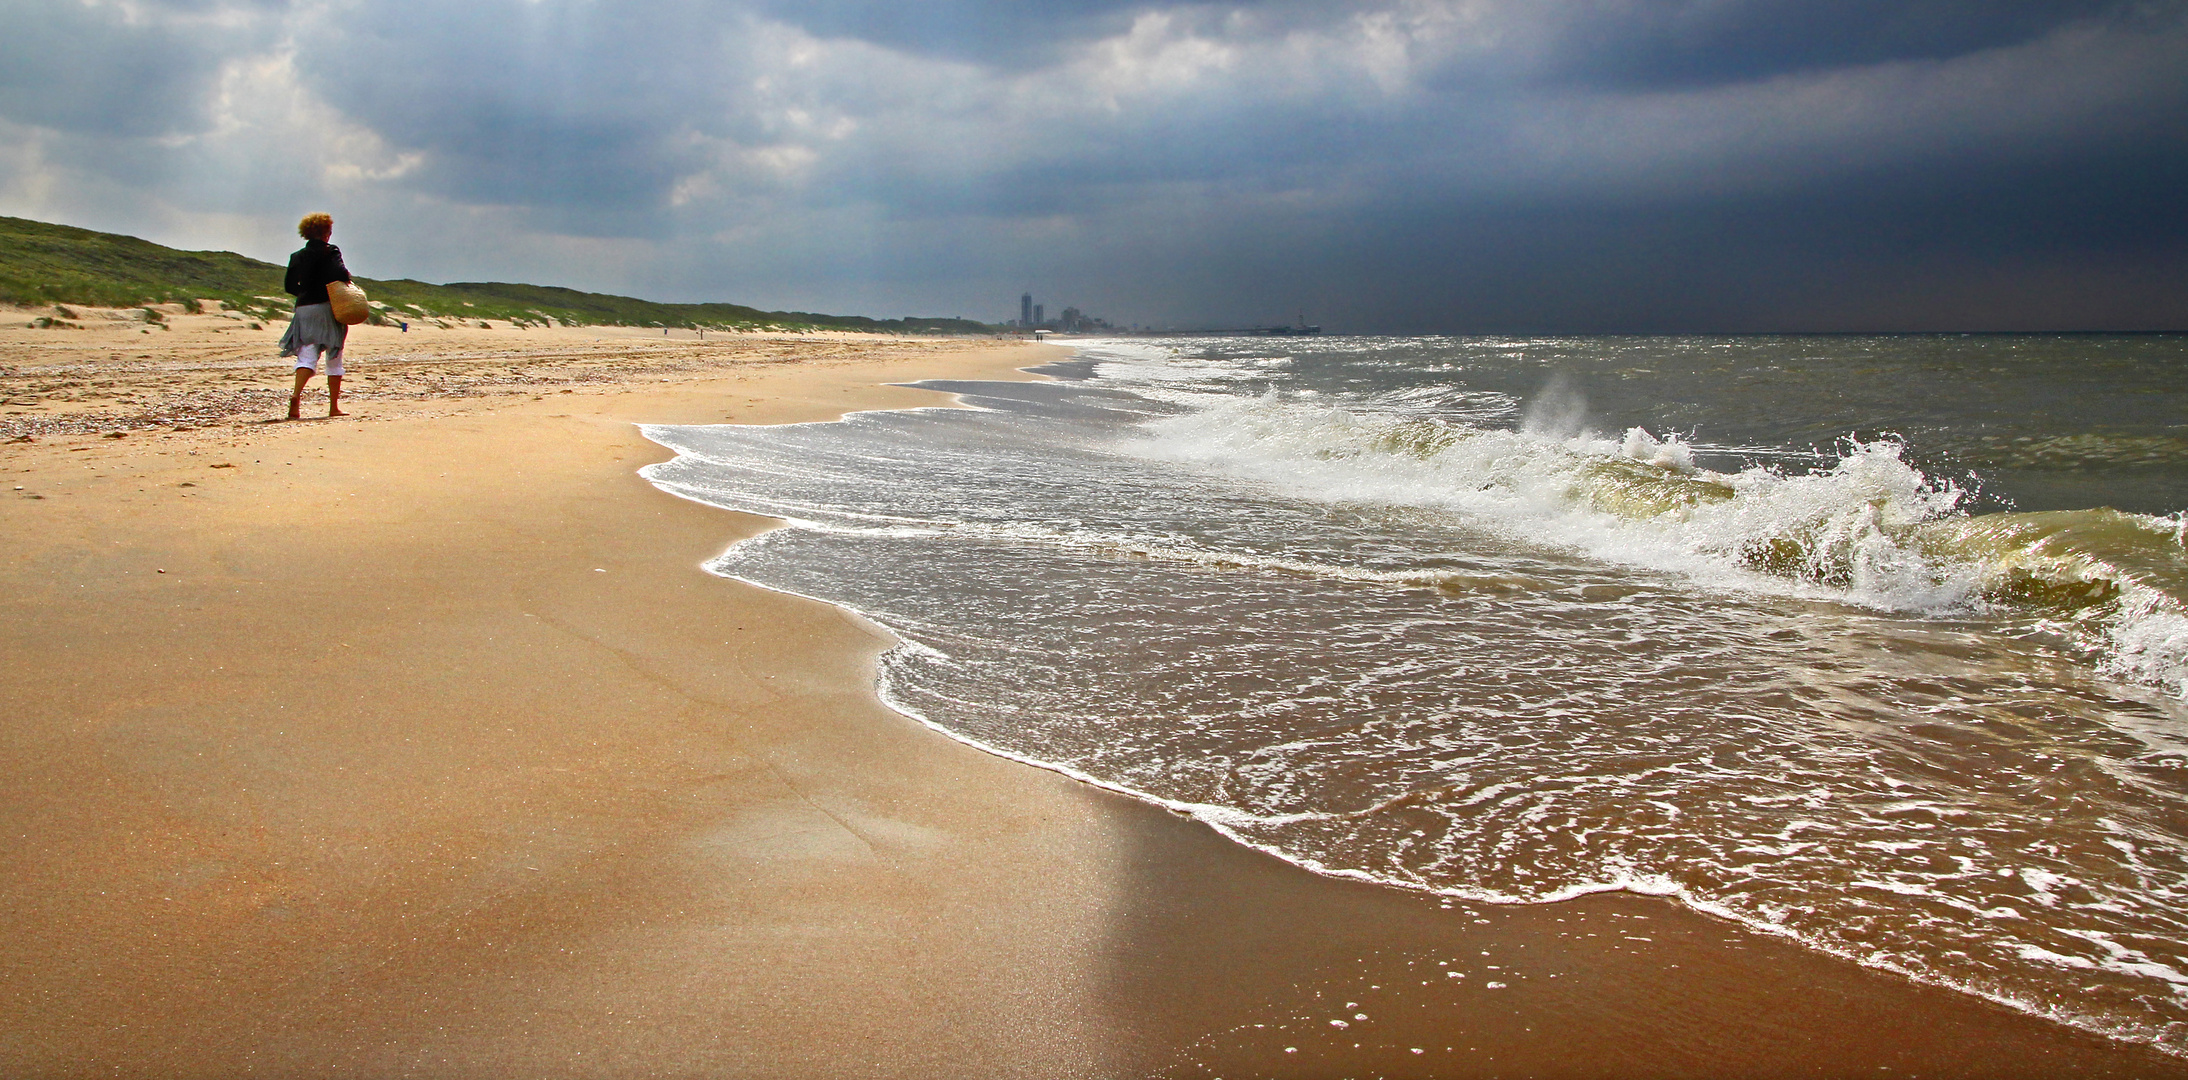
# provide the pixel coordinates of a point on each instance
(296, 396)
(334, 396)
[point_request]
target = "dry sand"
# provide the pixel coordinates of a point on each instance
(418, 744)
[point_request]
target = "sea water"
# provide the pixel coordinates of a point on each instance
(1876, 643)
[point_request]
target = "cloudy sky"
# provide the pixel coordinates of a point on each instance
(1380, 165)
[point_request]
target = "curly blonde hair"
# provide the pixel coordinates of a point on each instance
(316, 226)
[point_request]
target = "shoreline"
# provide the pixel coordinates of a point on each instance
(419, 742)
(2167, 1063)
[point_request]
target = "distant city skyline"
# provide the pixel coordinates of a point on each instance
(1388, 166)
(1032, 315)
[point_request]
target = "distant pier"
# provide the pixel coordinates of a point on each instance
(1233, 331)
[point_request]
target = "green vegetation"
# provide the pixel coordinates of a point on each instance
(57, 264)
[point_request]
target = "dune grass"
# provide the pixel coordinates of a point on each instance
(42, 263)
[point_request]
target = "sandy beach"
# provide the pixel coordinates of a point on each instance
(418, 743)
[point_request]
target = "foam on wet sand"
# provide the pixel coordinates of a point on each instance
(434, 750)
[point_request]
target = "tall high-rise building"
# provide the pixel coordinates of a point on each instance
(1037, 319)
(1025, 310)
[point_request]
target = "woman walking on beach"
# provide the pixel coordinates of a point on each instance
(315, 335)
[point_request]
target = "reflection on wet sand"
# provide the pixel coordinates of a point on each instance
(1235, 964)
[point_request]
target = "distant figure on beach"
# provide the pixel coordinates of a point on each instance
(315, 335)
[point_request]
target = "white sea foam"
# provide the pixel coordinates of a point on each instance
(1395, 634)
(1845, 531)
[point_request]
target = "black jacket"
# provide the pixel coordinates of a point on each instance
(317, 263)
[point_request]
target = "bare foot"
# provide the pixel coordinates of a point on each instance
(294, 413)
(336, 412)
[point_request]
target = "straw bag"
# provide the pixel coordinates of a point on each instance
(348, 302)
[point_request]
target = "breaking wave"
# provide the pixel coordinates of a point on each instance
(1865, 526)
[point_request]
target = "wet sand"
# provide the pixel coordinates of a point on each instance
(417, 743)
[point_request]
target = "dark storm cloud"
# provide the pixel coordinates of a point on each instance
(1676, 43)
(1416, 164)
(995, 31)
(2069, 243)
(111, 71)
(1608, 42)
(552, 105)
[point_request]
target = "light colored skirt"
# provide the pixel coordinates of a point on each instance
(314, 324)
